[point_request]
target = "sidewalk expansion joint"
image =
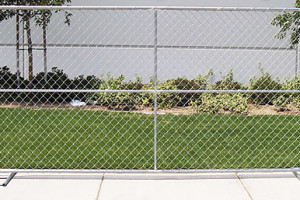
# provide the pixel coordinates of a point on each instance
(100, 186)
(244, 186)
(297, 174)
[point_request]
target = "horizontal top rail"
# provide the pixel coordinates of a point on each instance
(147, 8)
(148, 91)
(150, 46)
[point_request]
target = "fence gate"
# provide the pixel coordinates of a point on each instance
(149, 89)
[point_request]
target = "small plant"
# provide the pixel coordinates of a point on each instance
(228, 83)
(88, 83)
(207, 103)
(9, 80)
(55, 79)
(169, 100)
(230, 102)
(265, 82)
(119, 100)
(211, 103)
(296, 102)
(283, 100)
(202, 102)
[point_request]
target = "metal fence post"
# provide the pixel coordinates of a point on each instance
(155, 89)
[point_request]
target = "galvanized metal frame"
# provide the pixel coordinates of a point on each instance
(155, 91)
(148, 8)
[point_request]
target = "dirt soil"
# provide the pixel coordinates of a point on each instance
(253, 109)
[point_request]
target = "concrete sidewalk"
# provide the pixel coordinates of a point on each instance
(231, 186)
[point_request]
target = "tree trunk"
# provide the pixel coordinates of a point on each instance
(45, 46)
(29, 41)
(18, 47)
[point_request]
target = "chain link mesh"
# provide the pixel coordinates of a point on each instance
(140, 88)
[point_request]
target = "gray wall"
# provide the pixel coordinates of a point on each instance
(227, 38)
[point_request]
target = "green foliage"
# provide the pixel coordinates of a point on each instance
(289, 23)
(9, 80)
(207, 103)
(169, 100)
(211, 103)
(40, 17)
(264, 82)
(296, 102)
(55, 79)
(289, 98)
(119, 100)
(216, 103)
(85, 83)
(228, 83)
(202, 102)
(281, 101)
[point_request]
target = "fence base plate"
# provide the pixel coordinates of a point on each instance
(8, 179)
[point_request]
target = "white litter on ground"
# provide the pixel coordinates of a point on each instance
(77, 103)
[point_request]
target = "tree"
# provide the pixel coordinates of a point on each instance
(41, 18)
(289, 23)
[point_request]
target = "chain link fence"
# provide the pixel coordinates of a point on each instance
(142, 88)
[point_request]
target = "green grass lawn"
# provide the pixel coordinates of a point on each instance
(80, 139)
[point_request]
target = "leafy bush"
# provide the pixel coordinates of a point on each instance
(211, 103)
(217, 102)
(296, 102)
(9, 80)
(55, 79)
(169, 100)
(289, 98)
(88, 83)
(119, 100)
(265, 82)
(228, 83)
(207, 102)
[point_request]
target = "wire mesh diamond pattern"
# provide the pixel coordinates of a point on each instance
(121, 88)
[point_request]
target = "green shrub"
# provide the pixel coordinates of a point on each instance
(9, 80)
(169, 100)
(119, 100)
(55, 79)
(163, 99)
(211, 103)
(265, 82)
(86, 83)
(207, 103)
(289, 98)
(228, 83)
(296, 102)
(220, 102)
